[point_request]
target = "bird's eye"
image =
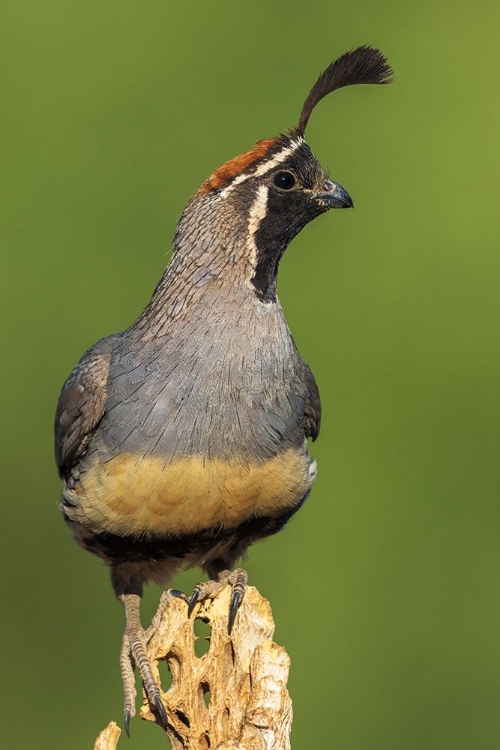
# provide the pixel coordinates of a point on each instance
(284, 180)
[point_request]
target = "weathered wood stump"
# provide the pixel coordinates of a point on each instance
(233, 697)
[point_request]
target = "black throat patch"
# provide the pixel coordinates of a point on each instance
(287, 212)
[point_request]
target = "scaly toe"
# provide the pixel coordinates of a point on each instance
(138, 652)
(128, 680)
(204, 590)
(237, 579)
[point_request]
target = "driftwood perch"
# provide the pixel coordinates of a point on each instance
(234, 697)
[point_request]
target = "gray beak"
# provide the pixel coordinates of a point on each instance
(334, 196)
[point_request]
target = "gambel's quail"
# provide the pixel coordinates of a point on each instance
(183, 439)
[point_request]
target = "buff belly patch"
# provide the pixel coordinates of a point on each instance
(133, 494)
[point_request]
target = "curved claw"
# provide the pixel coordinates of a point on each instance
(193, 601)
(236, 599)
(161, 712)
(127, 723)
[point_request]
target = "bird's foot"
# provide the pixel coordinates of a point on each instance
(237, 579)
(133, 652)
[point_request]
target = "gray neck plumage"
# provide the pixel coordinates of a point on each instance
(217, 258)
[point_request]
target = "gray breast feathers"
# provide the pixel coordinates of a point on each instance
(224, 392)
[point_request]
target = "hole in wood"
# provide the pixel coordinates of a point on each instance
(182, 717)
(206, 693)
(165, 675)
(202, 632)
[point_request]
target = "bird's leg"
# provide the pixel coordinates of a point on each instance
(133, 651)
(237, 579)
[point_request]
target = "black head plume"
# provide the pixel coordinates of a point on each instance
(361, 65)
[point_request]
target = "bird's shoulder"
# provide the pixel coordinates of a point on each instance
(82, 404)
(312, 406)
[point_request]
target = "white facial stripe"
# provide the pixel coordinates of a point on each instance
(264, 168)
(258, 210)
(236, 181)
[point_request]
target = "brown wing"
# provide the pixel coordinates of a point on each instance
(312, 407)
(81, 405)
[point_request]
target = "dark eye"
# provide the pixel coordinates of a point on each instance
(284, 180)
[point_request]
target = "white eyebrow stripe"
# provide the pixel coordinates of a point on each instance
(236, 181)
(278, 159)
(264, 168)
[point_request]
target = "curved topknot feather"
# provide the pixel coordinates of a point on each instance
(362, 65)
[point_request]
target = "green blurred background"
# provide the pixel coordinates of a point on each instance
(385, 588)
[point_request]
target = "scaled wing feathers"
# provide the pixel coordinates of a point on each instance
(81, 405)
(312, 407)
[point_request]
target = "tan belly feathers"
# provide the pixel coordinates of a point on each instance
(132, 494)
